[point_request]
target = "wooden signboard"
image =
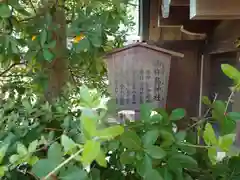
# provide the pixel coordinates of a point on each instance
(138, 73)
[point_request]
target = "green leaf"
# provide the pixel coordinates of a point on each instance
(95, 40)
(3, 169)
(219, 106)
(33, 160)
(153, 174)
(3, 151)
(43, 167)
(156, 152)
(231, 72)
(164, 171)
(111, 106)
(55, 152)
(5, 11)
(209, 135)
(234, 116)
(48, 19)
(73, 173)
(150, 137)
(233, 164)
(212, 154)
(226, 123)
(19, 8)
(113, 145)
(14, 159)
(95, 174)
(180, 136)
(156, 118)
(127, 157)
(167, 138)
(48, 55)
(83, 45)
(7, 42)
(85, 95)
(144, 166)
(43, 37)
(23, 12)
(145, 112)
(206, 100)
(130, 140)
(14, 47)
(96, 36)
(187, 177)
(227, 126)
(110, 133)
(164, 115)
(89, 121)
(21, 149)
(188, 149)
(90, 152)
(225, 142)
(218, 112)
(67, 143)
(101, 159)
(30, 55)
(50, 45)
(27, 105)
(33, 146)
(174, 166)
(177, 114)
(185, 160)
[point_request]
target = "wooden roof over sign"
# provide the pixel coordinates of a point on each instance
(145, 45)
(205, 9)
(196, 16)
(177, 13)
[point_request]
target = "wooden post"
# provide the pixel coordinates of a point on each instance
(154, 30)
(201, 86)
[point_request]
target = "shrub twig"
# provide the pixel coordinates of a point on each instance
(10, 67)
(62, 164)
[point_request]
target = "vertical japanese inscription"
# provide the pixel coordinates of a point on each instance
(159, 81)
(127, 92)
(141, 86)
(116, 91)
(122, 94)
(134, 87)
(148, 88)
(156, 84)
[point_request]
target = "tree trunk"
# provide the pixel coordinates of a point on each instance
(57, 70)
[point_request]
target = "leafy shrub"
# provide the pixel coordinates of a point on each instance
(72, 139)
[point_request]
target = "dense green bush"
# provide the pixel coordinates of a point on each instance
(71, 139)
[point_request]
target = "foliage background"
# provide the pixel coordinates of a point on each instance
(31, 39)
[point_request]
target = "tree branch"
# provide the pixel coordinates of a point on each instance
(132, 4)
(73, 78)
(34, 9)
(9, 68)
(27, 19)
(63, 164)
(233, 90)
